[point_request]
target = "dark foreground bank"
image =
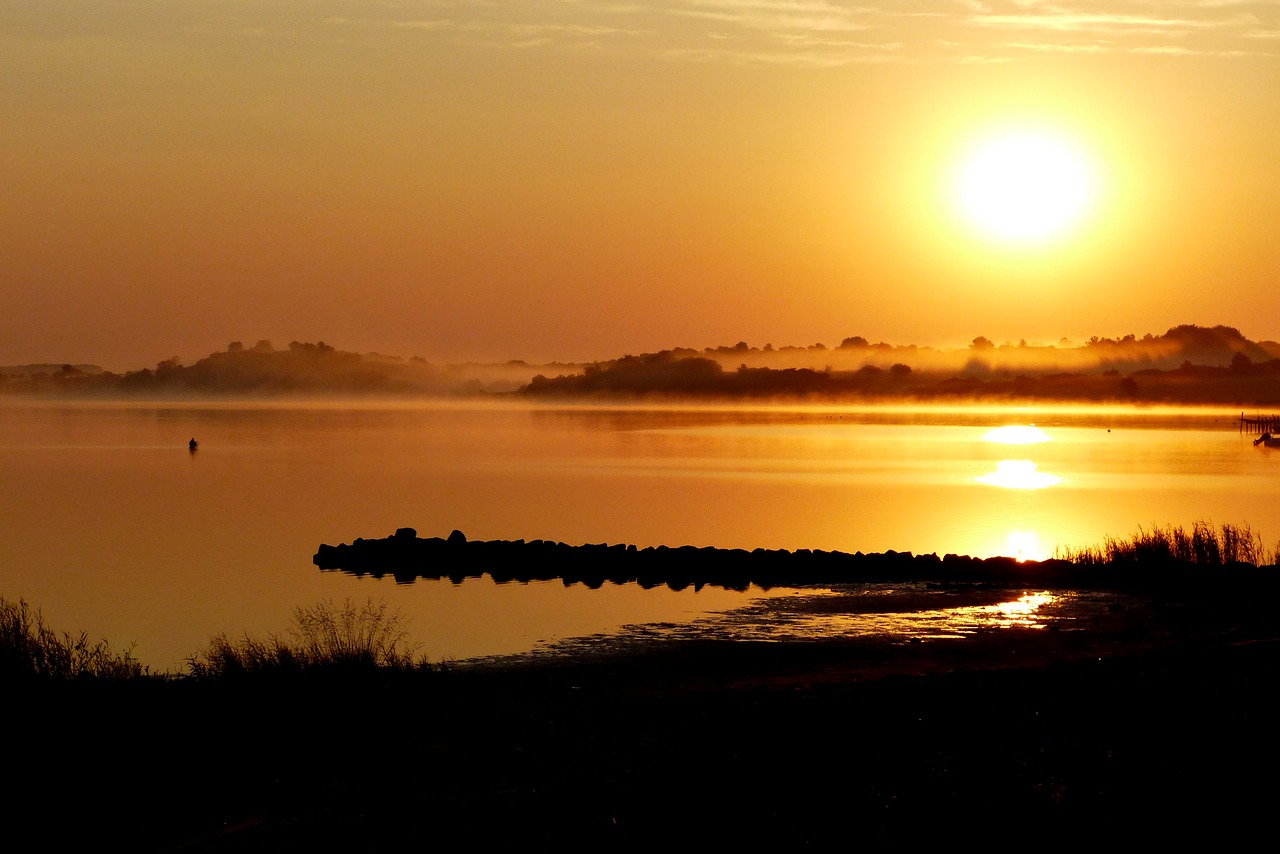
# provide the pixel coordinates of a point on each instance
(1006, 739)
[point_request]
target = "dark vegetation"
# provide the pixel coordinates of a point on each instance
(1186, 364)
(1152, 724)
(1203, 546)
(262, 370)
(324, 637)
(31, 650)
(1157, 727)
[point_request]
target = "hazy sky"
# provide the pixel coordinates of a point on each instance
(578, 179)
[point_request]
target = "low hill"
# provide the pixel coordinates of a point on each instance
(1185, 364)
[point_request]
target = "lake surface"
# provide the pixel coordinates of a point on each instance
(109, 525)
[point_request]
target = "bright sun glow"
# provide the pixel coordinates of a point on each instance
(1025, 545)
(1024, 187)
(1018, 474)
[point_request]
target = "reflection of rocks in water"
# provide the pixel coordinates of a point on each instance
(406, 557)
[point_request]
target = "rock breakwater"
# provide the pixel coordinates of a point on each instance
(407, 557)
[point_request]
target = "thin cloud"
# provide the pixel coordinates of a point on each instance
(743, 57)
(777, 14)
(823, 33)
(1191, 28)
(536, 30)
(1053, 47)
(1178, 50)
(1092, 22)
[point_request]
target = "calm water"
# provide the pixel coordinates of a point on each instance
(109, 525)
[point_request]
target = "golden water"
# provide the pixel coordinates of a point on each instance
(109, 525)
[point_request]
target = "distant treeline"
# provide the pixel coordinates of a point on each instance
(1187, 364)
(263, 370)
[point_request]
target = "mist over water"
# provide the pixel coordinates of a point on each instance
(110, 525)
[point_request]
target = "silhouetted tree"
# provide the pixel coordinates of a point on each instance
(169, 369)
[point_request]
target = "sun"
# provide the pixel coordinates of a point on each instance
(1024, 187)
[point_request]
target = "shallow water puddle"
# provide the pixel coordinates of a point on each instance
(906, 612)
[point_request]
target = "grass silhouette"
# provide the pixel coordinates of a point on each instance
(31, 649)
(1203, 545)
(324, 636)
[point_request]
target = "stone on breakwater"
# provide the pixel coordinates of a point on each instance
(407, 557)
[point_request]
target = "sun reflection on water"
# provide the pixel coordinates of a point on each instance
(1018, 611)
(1016, 434)
(1018, 474)
(902, 612)
(1026, 611)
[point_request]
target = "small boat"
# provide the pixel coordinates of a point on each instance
(1267, 441)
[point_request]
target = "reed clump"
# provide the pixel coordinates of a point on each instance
(30, 649)
(323, 636)
(1203, 545)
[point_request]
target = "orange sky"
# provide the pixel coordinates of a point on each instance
(576, 179)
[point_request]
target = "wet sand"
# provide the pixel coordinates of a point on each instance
(1154, 724)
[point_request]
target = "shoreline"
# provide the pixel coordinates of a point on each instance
(1155, 723)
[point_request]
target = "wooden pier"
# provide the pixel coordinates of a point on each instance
(1260, 424)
